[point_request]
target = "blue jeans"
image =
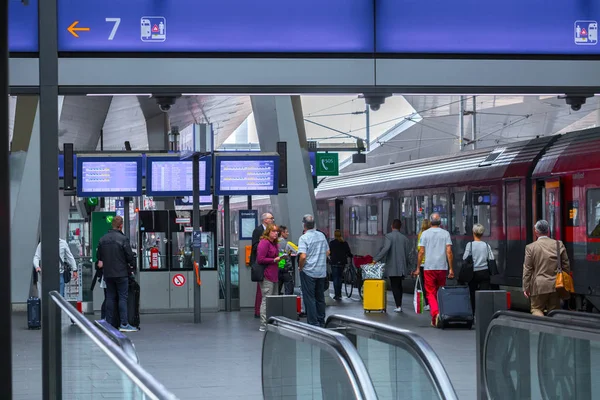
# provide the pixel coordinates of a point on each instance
(62, 285)
(336, 272)
(313, 293)
(117, 289)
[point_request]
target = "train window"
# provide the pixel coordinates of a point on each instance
(406, 213)
(440, 206)
(332, 220)
(593, 212)
(372, 223)
(422, 210)
(482, 210)
(387, 211)
(460, 214)
(354, 221)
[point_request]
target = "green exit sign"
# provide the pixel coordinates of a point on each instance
(327, 164)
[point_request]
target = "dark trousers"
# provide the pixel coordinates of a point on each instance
(396, 282)
(117, 289)
(313, 293)
(480, 281)
(286, 281)
(336, 272)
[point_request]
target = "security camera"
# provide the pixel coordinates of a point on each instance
(575, 101)
(165, 102)
(375, 100)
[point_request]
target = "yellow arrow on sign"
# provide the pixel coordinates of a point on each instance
(73, 30)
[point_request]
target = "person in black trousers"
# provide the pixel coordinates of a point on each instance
(395, 253)
(340, 252)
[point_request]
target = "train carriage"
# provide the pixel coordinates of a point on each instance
(506, 189)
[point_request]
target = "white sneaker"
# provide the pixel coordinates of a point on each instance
(426, 308)
(398, 309)
(262, 328)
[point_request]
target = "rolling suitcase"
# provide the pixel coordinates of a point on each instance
(374, 296)
(282, 306)
(133, 306)
(455, 306)
(34, 313)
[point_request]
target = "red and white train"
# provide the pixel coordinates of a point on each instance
(507, 189)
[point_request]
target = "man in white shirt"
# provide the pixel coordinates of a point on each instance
(66, 259)
(436, 246)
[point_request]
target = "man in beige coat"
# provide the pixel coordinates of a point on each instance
(539, 270)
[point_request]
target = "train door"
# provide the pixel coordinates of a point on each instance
(514, 247)
(549, 203)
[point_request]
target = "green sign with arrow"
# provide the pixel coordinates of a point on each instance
(327, 164)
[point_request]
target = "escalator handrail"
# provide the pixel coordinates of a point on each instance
(560, 325)
(140, 377)
(345, 351)
(119, 338)
(404, 338)
(575, 317)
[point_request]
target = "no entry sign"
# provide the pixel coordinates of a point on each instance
(179, 280)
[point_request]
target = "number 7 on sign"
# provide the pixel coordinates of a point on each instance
(117, 22)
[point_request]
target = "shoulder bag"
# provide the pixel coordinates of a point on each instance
(564, 282)
(492, 265)
(466, 269)
(66, 271)
(257, 272)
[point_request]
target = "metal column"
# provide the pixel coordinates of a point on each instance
(48, 64)
(474, 124)
(461, 124)
(5, 302)
(368, 128)
(196, 225)
(227, 251)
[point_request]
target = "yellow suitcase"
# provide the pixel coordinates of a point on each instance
(374, 296)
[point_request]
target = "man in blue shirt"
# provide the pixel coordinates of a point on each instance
(313, 251)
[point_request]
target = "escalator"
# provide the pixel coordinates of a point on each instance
(350, 359)
(549, 358)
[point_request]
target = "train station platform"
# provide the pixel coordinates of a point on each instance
(223, 356)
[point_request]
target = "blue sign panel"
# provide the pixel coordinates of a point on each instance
(23, 26)
(488, 27)
(340, 26)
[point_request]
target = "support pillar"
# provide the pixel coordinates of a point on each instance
(280, 119)
(25, 196)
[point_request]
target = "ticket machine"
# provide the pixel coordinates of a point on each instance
(165, 264)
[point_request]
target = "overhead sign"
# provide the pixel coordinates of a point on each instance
(23, 26)
(179, 280)
(182, 221)
(327, 164)
(487, 27)
(332, 26)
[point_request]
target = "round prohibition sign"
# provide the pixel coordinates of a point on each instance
(179, 280)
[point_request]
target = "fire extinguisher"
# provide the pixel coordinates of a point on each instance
(154, 258)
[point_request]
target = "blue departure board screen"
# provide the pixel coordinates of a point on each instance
(171, 177)
(23, 26)
(488, 27)
(247, 175)
(339, 26)
(109, 176)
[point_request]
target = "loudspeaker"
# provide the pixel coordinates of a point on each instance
(68, 179)
(282, 150)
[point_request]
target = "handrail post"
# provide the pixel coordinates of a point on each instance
(55, 352)
(488, 302)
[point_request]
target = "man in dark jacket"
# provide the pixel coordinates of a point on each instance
(115, 257)
(266, 220)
